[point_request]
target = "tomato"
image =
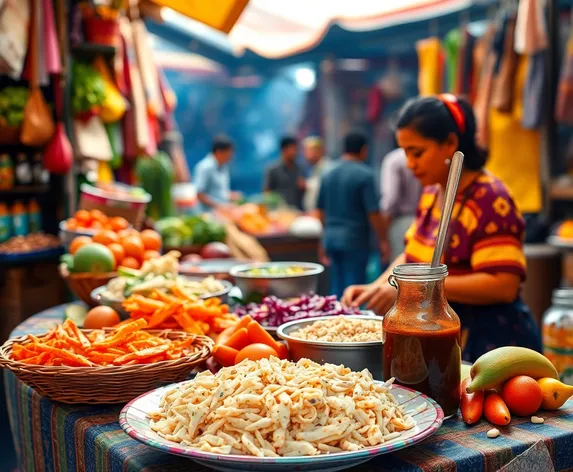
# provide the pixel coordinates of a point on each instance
(71, 224)
(98, 215)
(106, 237)
(148, 255)
(133, 247)
(118, 223)
(255, 352)
(118, 252)
(79, 242)
(151, 239)
(130, 263)
(83, 217)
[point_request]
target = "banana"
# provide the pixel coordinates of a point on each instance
(555, 393)
(495, 367)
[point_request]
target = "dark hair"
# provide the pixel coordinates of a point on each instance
(221, 143)
(431, 118)
(287, 141)
(354, 142)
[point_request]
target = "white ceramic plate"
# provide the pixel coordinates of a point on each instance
(560, 242)
(427, 413)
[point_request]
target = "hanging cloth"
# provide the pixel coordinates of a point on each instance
(431, 62)
(533, 104)
(503, 86)
(452, 43)
(530, 28)
(51, 48)
(465, 64)
(564, 102)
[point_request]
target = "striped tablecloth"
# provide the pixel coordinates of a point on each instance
(65, 438)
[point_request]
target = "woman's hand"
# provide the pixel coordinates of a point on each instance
(378, 297)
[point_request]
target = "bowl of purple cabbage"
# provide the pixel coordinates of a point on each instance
(273, 311)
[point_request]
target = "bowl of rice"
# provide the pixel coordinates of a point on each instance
(354, 341)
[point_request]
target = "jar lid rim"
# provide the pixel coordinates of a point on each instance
(563, 294)
(420, 270)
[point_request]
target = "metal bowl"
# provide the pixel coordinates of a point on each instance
(356, 356)
(98, 296)
(282, 286)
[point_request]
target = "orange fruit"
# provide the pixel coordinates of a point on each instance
(98, 215)
(133, 247)
(71, 224)
(130, 263)
(565, 230)
(522, 395)
(96, 225)
(124, 233)
(83, 217)
(106, 237)
(151, 239)
(101, 317)
(118, 253)
(255, 352)
(150, 254)
(79, 242)
(118, 223)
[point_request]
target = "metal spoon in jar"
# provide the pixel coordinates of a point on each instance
(449, 199)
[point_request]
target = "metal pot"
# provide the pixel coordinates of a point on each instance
(356, 356)
(281, 286)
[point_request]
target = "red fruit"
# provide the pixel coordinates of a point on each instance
(495, 410)
(471, 404)
(522, 395)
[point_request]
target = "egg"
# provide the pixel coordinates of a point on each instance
(101, 317)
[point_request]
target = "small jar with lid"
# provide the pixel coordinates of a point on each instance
(557, 328)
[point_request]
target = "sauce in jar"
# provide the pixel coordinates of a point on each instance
(422, 336)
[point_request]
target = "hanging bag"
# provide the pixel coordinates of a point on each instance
(113, 107)
(38, 125)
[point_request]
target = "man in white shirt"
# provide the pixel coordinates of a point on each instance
(314, 155)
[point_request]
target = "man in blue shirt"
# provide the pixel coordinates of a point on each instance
(348, 207)
(211, 176)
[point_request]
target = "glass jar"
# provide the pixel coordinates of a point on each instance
(422, 336)
(557, 328)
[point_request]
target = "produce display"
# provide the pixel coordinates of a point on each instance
(189, 231)
(95, 220)
(88, 89)
(67, 345)
(155, 174)
(321, 409)
(341, 329)
(108, 250)
(275, 271)
(12, 103)
(158, 274)
(29, 243)
(511, 381)
(247, 340)
(260, 219)
(565, 230)
(122, 191)
(273, 311)
(179, 310)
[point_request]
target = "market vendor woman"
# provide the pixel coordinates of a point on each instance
(484, 255)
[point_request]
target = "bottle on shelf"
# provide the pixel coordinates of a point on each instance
(34, 217)
(40, 175)
(23, 170)
(5, 223)
(6, 172)
(19, 219)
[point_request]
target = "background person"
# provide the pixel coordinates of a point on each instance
(313, 148)
(400, 192)
(285, 176)
(348, 208)
(211, 176)
(484, 254)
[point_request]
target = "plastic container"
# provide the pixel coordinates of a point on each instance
(19, 219)
(23, 170)
(184, 198)
(34, 217)
(557, 329)
(5, 223)
(422, 336)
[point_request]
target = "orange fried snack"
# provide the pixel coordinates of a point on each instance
(178, 310)
(66, 345)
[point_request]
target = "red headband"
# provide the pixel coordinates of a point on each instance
(453, 105)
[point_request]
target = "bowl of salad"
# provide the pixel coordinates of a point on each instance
(281, 279)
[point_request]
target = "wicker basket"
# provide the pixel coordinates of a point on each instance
(83, 284)
(109, 384)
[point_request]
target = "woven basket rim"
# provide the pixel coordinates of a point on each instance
(66, 274)
(203, 347)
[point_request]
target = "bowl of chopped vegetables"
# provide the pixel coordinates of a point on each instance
(281, 279)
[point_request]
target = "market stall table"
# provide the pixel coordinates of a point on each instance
(56, 437)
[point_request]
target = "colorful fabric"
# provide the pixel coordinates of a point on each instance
(54, 437)
(431, 62)
(515, 152)
(486, 232)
